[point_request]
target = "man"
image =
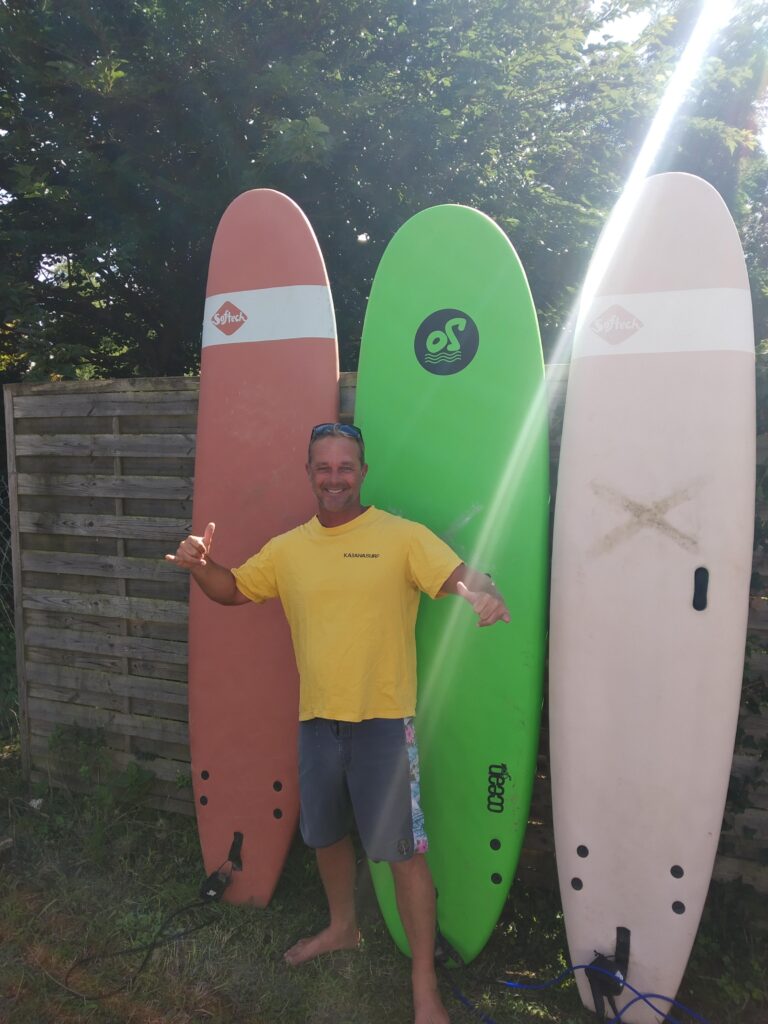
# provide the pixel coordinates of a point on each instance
(350, 581)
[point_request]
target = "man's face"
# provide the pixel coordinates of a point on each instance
(336, 474)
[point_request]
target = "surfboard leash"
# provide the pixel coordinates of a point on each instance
(645, 997)
(211, 891)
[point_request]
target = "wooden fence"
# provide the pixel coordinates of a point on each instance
(100, 487)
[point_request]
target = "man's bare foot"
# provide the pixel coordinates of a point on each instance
(325, 941)
(427, 1005)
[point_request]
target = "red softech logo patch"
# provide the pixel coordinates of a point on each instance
(228, 318)
(616, 325)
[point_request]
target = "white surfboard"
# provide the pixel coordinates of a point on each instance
(650, 583)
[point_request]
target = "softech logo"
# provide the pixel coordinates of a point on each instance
(616, 325)
(228, 318)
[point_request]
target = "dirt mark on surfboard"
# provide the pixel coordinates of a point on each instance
(645, 516)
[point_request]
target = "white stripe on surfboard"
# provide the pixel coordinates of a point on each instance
(697, 320)
(269, 314)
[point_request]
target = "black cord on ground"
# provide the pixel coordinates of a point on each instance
(211, 891)
(149, 947)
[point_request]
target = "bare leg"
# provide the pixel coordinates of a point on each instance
(337, 868)
(416, 902)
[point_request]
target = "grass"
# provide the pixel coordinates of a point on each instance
(88, 875)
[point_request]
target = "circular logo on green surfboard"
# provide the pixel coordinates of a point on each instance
(446, 341)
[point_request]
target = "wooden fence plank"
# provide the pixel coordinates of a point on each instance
(61, 425)
(78, 584)
(110, 607)
(144, 748)
(77, 680)
(154, 709)
(74, 659)
(159, 669)
(120, 385)
(152, 445)
(159, 630)
(100, 565)
(78, 485)
(75, 623)
(168, 589)
(154, 423)
(60, 713)
(171, 589)
(146, 465)
(81, 697)
(151, 508)
(163, 768)
(163, 589)
(41, 465)
(87, 505)
(104, 643)
(133, 527)
(107, 405)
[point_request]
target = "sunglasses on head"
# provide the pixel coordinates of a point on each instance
(345, 429)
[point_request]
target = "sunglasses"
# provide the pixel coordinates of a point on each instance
(345, 429)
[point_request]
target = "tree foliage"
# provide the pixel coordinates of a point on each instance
(129, 125)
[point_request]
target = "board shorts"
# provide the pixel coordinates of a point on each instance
(366, 772)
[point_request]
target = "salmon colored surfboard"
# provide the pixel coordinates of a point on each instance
(269, 372)
(650, 584)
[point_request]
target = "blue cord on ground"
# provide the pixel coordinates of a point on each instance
(457, 994)
(645, 997)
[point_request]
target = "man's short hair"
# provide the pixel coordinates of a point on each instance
(345, 430)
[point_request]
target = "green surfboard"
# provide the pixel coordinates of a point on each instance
(451, 401)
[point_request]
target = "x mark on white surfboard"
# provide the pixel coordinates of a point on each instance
(650, 516)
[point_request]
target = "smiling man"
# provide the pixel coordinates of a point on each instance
(350, 581)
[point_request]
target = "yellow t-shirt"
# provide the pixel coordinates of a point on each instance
(351, 594)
